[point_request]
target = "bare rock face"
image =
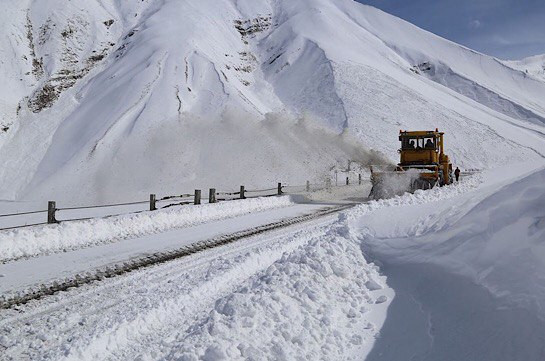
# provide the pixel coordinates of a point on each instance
(76, 52)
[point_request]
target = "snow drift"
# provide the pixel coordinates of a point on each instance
(467, 273)
(314, 302)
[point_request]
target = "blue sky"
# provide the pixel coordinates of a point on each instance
(508, 29)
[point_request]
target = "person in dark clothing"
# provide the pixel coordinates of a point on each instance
(457, 174)
(429, 144)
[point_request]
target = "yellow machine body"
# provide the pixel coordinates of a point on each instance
(425, 150)
(423, 164)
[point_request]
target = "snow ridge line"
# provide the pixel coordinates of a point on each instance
(43, 290)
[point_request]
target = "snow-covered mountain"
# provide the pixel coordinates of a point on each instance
(533, 65)
(107, 98)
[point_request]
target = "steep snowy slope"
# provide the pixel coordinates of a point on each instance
(112, 98)
(477, 76)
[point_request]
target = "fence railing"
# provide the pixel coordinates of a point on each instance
(195, 198)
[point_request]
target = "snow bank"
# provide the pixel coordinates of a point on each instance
(500, 237)
(467, 271)
(419, 197)
(313, 303)
(500, 244)
(53, 238)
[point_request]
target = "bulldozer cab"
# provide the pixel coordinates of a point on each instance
(420, 147)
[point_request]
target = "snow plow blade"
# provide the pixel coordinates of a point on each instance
(395, 183)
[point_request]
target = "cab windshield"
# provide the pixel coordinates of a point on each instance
(418, 143)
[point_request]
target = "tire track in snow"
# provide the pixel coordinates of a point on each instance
(92, 317)
(161, 257)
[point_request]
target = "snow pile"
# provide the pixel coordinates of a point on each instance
(390, 183)
(68, 235)
(419, 197)
(311, 303)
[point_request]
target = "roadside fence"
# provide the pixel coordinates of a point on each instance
(52, 215)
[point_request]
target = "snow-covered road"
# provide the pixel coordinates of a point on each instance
(179, 309)
(20, 275)
(443, 274)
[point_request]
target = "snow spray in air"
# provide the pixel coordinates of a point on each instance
(193, 152)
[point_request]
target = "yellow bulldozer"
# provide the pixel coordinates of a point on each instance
(423, 165)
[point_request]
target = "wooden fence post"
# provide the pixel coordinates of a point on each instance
(279, 189)
(212, 195)
(308, 186)
(51, 208)
(152, 202)
(347, 181)
(359, 179)
(328, 184)
(197, 199)
(242, 193)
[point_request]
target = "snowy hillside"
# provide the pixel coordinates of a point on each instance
(111, 98)
(533, 65)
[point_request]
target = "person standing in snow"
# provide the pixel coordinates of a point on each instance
(457, 174)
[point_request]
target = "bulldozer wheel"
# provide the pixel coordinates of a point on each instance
(423, 184)
(441, 180)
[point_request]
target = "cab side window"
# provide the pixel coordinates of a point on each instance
(430, 144)
(409, 143)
